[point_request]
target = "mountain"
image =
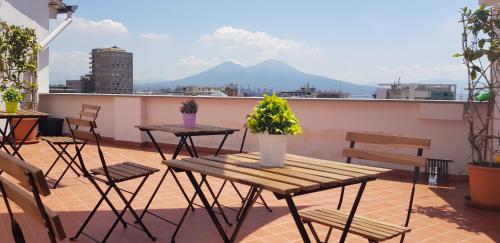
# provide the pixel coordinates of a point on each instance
(269, 74)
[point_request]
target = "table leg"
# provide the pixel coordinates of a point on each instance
(177, 150)
(221, 144)
(156, 145)
(193, 147)
(9, 135)
(5, 137)
(216, 197)
(353, 211)
(254, 194)
(18, 147)
(187, 147)
(207, 206)
(296, 218)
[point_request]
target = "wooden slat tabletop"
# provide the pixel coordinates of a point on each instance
(180, 130)
(23, 114)
(300, 174)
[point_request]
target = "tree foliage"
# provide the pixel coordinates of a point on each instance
(19, 61)
(480, 54)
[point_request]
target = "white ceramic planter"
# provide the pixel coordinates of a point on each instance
(272, 149)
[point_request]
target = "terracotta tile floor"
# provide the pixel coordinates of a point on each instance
(439, 212)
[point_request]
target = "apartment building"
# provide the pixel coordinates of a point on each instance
(112, 70)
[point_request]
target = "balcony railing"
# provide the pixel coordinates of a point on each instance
(324, 121)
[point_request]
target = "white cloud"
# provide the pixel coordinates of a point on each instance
(266, 44)
(105, 26)
(417, 72)
(73, 62)
(155, 36)
(196, 62)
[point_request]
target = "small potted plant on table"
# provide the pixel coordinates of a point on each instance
(273, 121)
(188, 110)
(12, 97)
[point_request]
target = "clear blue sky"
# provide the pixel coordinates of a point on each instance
(358, 41)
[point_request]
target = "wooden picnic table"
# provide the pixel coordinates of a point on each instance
(8, 135)
(300, 175)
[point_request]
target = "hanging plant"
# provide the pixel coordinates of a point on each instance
(19, 61)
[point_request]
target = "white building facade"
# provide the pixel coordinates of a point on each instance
(34, 14)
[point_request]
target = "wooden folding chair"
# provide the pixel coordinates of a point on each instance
(110, 175)
(373, 230)
(26, 195)
(60, 144)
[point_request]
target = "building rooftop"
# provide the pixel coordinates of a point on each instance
(109, 49)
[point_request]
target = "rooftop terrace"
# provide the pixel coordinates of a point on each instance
(439, 212)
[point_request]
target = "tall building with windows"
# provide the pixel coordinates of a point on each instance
(112, 70)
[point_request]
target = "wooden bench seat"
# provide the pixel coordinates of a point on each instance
(60, 140)
(125, 171)
(370, 229)
(374, 231)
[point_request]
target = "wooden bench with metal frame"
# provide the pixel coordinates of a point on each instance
(60, 144)
(373, 230)
(26, 195)
(110, 175)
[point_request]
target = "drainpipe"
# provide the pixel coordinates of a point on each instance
(69, 10)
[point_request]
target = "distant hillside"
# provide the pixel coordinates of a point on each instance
(270, 74)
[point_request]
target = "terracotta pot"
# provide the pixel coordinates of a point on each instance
(484, 186)
(23, 128)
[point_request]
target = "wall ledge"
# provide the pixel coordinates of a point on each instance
(259, 98)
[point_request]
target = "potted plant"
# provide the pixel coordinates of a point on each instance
(480, 53)
(18, 69)
(273, 121)
(188, 110)
(12, 97)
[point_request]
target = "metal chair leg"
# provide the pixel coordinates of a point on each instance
(129, 207)
(104, 197)
(59, 155)
(87, 220)
(327, 238)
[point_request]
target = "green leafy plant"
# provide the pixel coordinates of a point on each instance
(189, 106)
(11, 94)
(273, 116)
(19, 61)
(480, 54)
